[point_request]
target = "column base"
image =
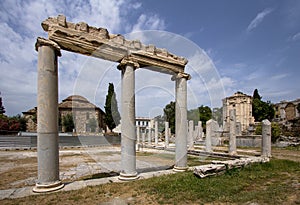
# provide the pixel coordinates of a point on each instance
(233, 153)
(180, 169)
(42, 188)
(128, 177)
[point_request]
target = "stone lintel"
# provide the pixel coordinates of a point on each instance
(97, 42)
(46, 42)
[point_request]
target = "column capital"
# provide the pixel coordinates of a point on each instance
(46, 42)
(181, 75)
(128, 61)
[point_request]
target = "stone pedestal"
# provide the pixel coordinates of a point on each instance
(266, 139)
(47, 117)
(232, 132)
(128, 133)
(181, 123)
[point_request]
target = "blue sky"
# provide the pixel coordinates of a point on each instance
(231, 45)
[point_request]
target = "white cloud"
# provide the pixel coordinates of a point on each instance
(258, 19)
(21, 25)
(296, 37)
(149, 22)
(279, 76)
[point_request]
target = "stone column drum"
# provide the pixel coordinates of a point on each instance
(181, 123)
(47, 117)
(232, 132)
(128, 133)
(266, 139)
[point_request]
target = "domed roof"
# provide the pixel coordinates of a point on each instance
(77, 98)
(77, 101)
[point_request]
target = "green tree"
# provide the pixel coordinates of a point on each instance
(68, 122)
(261, 110)
(14, 123)
(202, 113)
(169, 114)
(22, 120)
(2, 109)
(256, 95)
(112, 115)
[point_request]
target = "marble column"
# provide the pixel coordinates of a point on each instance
(47, 117)
(181, 122)
(143, 137)
(266, 139)
(166, 134)
(200, 130)
(138, 136)
(156, 133)
(232, 132)
(209, 132)
(191, 135)
(128, 133)
(149, 135)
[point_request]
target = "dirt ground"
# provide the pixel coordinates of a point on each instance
(19, 168)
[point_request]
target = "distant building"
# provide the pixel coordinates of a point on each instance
(286, 111)
(144, 123)
(80, 108)
(242, 104)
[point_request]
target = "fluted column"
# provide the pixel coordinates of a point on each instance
(47, 117)
(181, 130)
(128, 131)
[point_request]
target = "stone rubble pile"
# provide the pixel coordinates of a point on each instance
(219, 167)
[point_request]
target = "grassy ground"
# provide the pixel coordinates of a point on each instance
(277, 182)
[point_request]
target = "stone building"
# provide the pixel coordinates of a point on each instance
(82, 111)
(242, 104)
(286, 111)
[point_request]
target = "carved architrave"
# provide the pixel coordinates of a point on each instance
(97, 42)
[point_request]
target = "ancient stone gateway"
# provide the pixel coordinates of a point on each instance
(131, 55)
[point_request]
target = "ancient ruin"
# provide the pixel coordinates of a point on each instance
(131, 55)
(242, 104)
